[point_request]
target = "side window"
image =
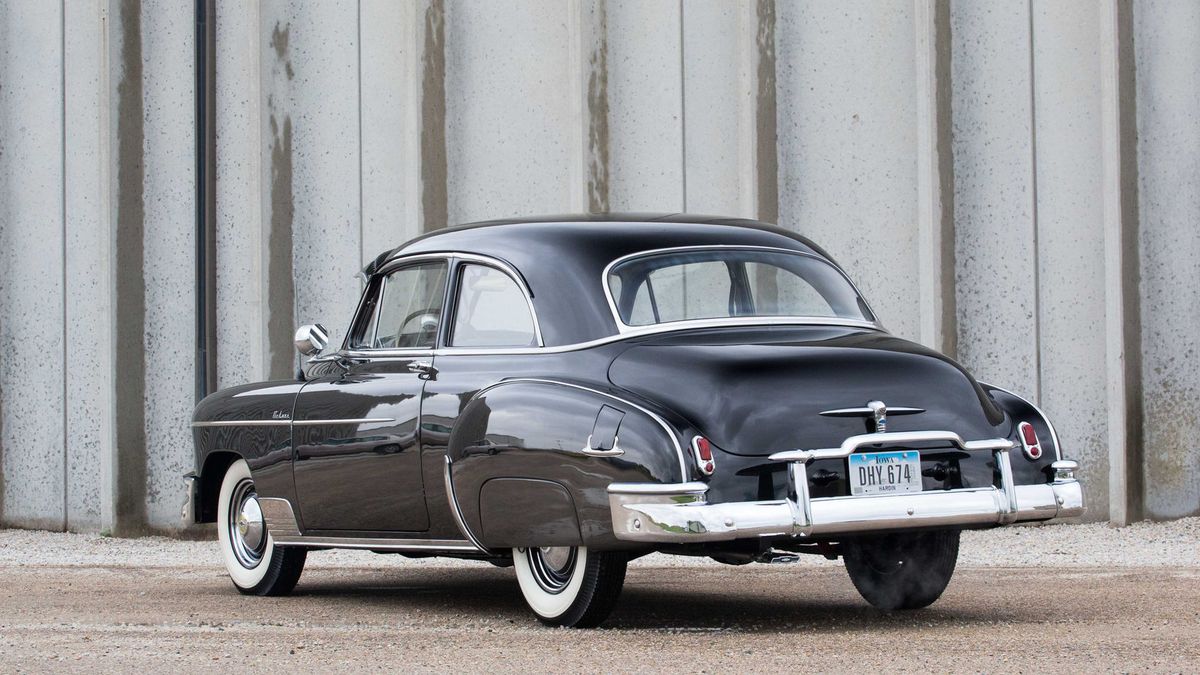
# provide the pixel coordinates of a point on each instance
(491, 311)
(409, 309)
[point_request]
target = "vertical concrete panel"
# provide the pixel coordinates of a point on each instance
(31, 256)
(718, 97)
(1070, 206)
(313, 102)
(240, 233)
(88, 259)
(511, 134)
(390, 133)
(278, 177)
(1167, 45)
(645, 101)
(995, 231)
(168, 46)
(847, 143)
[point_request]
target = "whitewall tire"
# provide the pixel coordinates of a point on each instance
(569, 586)
(255, 564)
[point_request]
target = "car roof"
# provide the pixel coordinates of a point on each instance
(562, 257)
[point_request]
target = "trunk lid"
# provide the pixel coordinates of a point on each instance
(758, 391)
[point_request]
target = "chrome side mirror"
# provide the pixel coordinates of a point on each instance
(311, 339)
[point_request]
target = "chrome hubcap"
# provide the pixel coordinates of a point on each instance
(250, 523)
(552, 566)
(247, 530)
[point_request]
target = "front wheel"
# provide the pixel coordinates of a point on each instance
(570, 586)
(255, 564)
(902, 570)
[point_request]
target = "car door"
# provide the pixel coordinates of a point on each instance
(356, 434)
(493, 335)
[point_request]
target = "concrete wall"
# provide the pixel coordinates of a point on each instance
(1167, 44)
(1015, 183)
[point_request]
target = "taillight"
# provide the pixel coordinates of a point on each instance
(1029, 440)
(702, 449)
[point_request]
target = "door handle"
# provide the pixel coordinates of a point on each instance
(423, 369)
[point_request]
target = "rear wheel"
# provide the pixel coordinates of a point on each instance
(568, 585)
(902, 570)
(255, 564)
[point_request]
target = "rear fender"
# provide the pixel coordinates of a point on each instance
(1018, 409)
(527, 463)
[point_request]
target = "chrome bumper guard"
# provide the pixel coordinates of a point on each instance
(679, 513)
(190, 486)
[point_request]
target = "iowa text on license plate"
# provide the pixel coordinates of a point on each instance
(874, 473)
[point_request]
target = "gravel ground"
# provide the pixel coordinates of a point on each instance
(1171, 545)
(1065, 598)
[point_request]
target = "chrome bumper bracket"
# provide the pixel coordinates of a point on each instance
(190, 490)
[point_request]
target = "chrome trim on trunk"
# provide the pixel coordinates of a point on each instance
(854, 443)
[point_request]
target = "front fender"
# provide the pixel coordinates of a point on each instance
(251, 422)
(524, 470)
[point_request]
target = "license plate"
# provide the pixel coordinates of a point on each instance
(885, 473)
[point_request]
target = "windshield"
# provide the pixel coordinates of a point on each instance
(722, 283)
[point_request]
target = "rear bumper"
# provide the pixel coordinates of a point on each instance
(680, 513)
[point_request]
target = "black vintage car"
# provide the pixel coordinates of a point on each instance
(566, 394)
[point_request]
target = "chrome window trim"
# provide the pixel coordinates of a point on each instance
(1045, 418)
(623, 331)
(452, 256)
(683, 472)
(387, 269)
(657, 329)
(623, 327)
(505, 269)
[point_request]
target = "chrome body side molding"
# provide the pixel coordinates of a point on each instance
(456, 512)
(432, 545)
(241, 423)
(281, 524)
(299, 423)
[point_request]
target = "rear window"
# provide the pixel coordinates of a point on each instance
(725, 283)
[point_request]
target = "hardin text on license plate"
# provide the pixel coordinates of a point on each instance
(885, 473)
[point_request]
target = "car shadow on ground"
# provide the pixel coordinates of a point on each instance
(717, 603)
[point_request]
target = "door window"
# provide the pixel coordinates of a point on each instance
(491, 310)
(410, 308)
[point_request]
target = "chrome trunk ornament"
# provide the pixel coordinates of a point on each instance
(879, 413)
